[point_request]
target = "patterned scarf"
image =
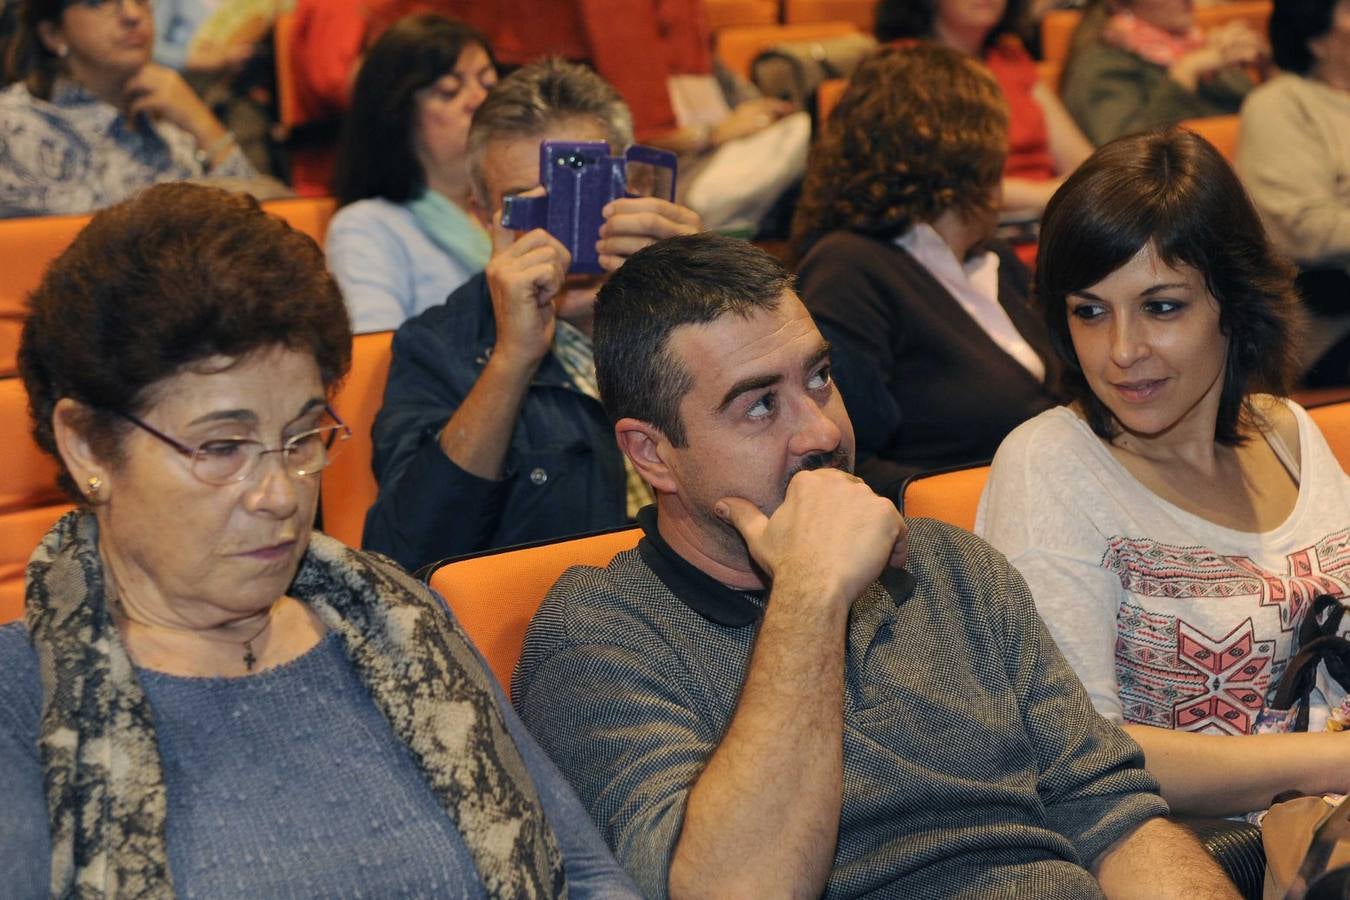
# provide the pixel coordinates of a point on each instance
(106, 799)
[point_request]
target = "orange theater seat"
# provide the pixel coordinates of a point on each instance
(1334, 422)
(494, 595)
(1057, 29)
(27, 247)
(950, 496)
(724, 13)
(827, 97)
(29, 498)
(1221, 131)
(862, 13)
(738, 47)
(308, 214)
(348, 486)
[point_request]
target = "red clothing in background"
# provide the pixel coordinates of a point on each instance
(634, 44)
(1028, 138)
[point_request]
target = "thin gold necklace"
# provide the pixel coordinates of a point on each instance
(250, 659)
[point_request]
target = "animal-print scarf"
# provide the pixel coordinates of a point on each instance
(105, 790)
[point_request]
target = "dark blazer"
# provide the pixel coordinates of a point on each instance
(564, 474)
(926, 387)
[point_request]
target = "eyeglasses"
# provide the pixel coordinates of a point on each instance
(230, 460)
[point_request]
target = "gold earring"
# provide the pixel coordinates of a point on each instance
(95, 485)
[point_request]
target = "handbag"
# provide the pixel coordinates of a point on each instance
(793, 70)
(1319, 646)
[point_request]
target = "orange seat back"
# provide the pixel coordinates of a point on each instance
(348, 486)
(738, 47)
(724, 13)
(283, 30)
(1334, 422)
(30, 501)
(1221, 131)
(27, 247)
(310, 215)
(950, 497)
(494, 595)
(862, 13)
(1057, 33)
(11, 327)
(827, 97)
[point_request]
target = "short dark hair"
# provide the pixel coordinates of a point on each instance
(1171, 188)
(687, 280)
(538, 97)
(919, 130)
(377, 158)
(27, 58)
(175, 275)
(917, 19)
(1293, 23)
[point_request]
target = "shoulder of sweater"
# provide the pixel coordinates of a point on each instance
(21, 686)
(371, 209)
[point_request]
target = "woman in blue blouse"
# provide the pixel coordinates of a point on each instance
(90, 120)
(205, 698)
(404, 239)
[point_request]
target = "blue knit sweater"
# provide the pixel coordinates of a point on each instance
(289, 783)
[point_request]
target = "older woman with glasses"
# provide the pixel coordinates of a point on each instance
(90, 119)
(205, 697)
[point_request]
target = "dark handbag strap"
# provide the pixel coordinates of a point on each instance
(1318, 643)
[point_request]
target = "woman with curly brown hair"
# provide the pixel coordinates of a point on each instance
(901, 196)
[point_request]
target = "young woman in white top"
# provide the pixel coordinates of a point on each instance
(1177, 520)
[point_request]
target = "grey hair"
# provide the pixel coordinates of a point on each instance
(538, 97)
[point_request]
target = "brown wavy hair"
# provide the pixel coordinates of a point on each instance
(920, 129)
(175, 275)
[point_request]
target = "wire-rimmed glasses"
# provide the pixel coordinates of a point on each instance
(222, 461)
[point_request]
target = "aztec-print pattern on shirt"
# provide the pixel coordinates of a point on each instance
(1208, 651)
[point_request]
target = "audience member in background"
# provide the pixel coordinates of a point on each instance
(200, 682)
(1294, 159)
(1139, 64)
(1044, 143)
(491, 433)
(404, 237)
(1175, 523)
(940, 355)
(90, 120)
(185, 40)
(755, 703)
(223, 50)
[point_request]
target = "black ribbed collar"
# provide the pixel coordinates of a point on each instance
(693, 587)
(712, 599)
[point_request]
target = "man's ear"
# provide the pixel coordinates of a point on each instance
(642, 443)
(476, 209)
(89, 473)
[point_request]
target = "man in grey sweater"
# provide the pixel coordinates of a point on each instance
(758, 701)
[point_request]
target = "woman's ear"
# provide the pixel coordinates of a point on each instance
(69, 422)
(53, 38)
(644, 444)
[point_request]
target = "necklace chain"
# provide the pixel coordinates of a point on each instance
(250, 659)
